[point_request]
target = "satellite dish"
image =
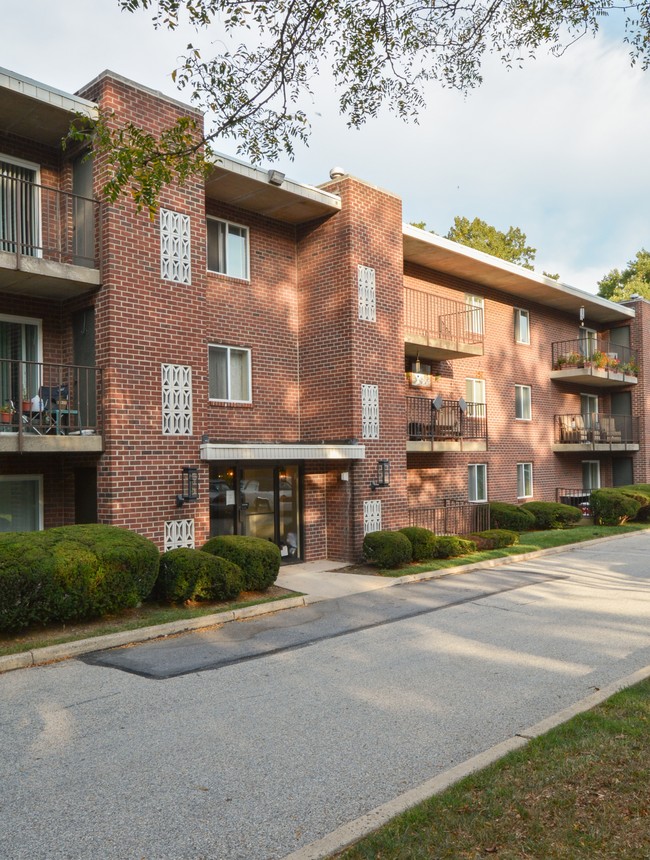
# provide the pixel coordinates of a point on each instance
(437, 403)
(462, 405)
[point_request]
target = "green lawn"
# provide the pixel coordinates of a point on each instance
(530, 542)
(579, 792)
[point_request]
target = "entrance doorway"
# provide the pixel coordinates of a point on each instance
(258, 500)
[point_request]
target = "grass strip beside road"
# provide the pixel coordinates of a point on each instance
(579, 792)
(530, 542)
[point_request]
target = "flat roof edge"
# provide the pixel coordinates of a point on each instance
(107, 73)
(68, 102)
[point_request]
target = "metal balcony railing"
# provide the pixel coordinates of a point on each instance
(596, 354)
(432, 316)
(452, 517)
(577, 498)
(452, 420)
(43, 222)
(49, 399)
(597, 428)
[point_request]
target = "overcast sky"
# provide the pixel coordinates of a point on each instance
(559, 149)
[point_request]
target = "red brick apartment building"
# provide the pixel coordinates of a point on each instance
(316, 368)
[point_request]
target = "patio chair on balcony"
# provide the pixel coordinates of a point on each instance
(608, 429)
(572, 428)
(447, 423)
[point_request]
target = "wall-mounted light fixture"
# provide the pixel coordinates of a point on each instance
(383, 475)
(582, 315)
(190, 486)
(276, 177)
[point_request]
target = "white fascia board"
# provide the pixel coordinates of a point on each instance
(49, 95)
(280, 451)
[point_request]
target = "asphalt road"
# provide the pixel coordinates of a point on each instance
(247, 742)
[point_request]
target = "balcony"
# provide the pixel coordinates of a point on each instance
(47, 408)
(595, 432)
(49, 244)
(599, 364)
(441, 329)
(445, 425)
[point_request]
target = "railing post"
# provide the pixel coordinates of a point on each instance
(18, 214)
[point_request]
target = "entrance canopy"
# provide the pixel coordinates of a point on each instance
(282, 451)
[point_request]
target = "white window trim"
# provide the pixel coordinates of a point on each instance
(485, 471)
(28, 321)
(228, 347)
(248, 249)
(591, 463)
(30, 165)
(525, 495)
(530, 402)
(474, 302)
(39, 479)
(518, 313)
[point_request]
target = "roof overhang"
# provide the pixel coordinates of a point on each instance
(253, 189)
(282, 451)
(38, 112)
(435, 252)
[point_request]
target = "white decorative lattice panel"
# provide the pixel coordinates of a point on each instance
(371, 516)
(175, 247)
(176, 400)
(179, 533)
(370, 411)
(367, 294)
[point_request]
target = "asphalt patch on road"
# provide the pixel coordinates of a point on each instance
(301, 627)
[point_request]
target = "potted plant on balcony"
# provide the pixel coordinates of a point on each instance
(5, 413)
(27, 403)
(599, 359)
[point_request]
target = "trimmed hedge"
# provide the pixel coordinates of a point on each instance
(423, 542)
(553, 515)
(449, 546)
(495, 538)
(387, 549)
(640, 492)
(512, 517)
(72, 572)
(191, 574)
(258, 559)
(609, 507)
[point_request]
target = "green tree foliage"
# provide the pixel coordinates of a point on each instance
(478, 234)
(635, 279)
(254, 77)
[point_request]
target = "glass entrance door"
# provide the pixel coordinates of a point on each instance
(260, 501)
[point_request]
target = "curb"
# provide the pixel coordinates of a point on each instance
(56, 653)
(346, 835)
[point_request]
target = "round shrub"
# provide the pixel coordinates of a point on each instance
(191, 574)
(449, 546)
(258, 559)
(423, 542)
(553, 515)
(640, 492)
(612, 508)
(387, 549)
(72, 572)
(495, 538)
(511, 517)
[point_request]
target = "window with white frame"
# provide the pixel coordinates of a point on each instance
(475, 397)
(370, 411)
(367, 298)
(229, 374)
(175, 247)
(20, 353)
(476, 308)
(371, 516)
(590, 474)
(19, 190)
(524, 480)
(522, 326)
(477, 482)
(176, 400)
(21, 503)
(228, 248)
(523, 408)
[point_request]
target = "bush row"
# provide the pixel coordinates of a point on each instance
(85, 571)
(533, 515)
(388, 549)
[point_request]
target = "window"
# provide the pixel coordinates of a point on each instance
(475, 397)
(589, 410)
(227, 248)
(522, 326)
(19, 185)
(230, 374)
(20, 352)
(524, 480)
(522, 402)
(477, 482)
(588, 338)
(21, 503)
(590, 474)
(475, 308)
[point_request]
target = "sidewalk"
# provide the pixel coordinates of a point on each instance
(314, 581)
